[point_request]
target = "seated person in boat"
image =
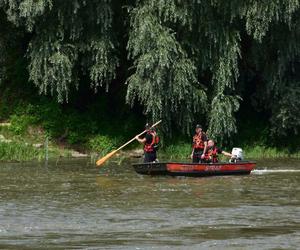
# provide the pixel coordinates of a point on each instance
(212, 152)
(150, 142)
(199, 145)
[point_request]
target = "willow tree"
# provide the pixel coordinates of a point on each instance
(172, 44)
(278, 54)
(67, 37)
(6, 38)
(165, 79)
(189, 60)
(210, 35)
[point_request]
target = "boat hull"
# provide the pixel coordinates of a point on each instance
(195, 169)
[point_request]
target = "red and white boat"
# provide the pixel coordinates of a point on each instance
(195, 169)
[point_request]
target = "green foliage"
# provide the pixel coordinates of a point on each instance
(264, 152)
(223, 107)
(103, 144)
(181, 152)
(165, 79)
(14, 151)
(67, 37)
(177, 151)
(20, 123)
(285, 120)
(22, 118)
(186, 60)
(51, 116)
(52, 69)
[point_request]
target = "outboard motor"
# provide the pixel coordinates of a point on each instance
(237, 154)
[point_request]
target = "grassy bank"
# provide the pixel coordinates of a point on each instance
(20, 151)
(70, 131)
(24, 140)
(22, 136)
(27, 146)
(14, 151)
(263, 152)
(181, 151)
(24, 149)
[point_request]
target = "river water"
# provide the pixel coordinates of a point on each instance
(72, 205)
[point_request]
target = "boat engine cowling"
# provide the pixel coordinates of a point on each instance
(237, 154)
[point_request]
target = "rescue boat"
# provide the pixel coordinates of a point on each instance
(195, 169)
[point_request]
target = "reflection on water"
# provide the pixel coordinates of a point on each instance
(72, 204)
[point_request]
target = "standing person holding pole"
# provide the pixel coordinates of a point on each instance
(150, 142)
(105, 158)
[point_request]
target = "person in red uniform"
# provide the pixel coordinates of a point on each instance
(150, 142)
(212, 152)
(199, 145)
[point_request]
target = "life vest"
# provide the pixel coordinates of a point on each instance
(211, 155)
(198, 143)
(151, 147)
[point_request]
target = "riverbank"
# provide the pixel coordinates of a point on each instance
(27, 149)
(26, 142)
(30, 145)
(83, 131)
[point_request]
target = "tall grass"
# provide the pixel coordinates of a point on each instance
(182, 151)
(19, 152)
(263, 152)
(179, 151)
(19, 146)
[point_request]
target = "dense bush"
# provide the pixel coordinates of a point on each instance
(103, 144)
(20, 123)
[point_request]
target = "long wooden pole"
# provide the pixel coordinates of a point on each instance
(102, 160)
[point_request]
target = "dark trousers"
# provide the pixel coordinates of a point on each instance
(149, 157)
(197, 157)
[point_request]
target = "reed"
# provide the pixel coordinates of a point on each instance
(14, 151)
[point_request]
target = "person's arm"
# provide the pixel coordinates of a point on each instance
(226, 154)
(142, 141)
(204, 151)
(192, 153)
(204, 138)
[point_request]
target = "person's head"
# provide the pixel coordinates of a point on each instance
(198, 129)
(210, 143)
(147, 126)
